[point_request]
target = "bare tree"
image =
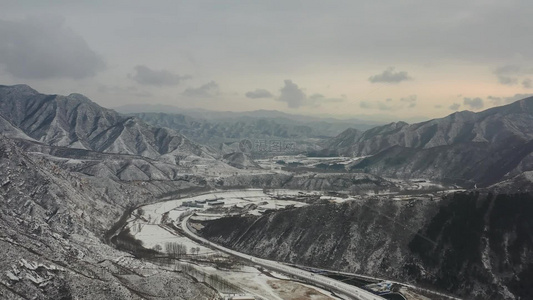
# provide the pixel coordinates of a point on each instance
(175, 250)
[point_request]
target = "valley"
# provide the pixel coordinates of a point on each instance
(173, 221)
(266, 150)
(96, 204)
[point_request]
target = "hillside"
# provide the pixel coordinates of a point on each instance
(74, 121)
(223, 129)
(84, 137)
(464, 147)
(52, 224)
(477, 246)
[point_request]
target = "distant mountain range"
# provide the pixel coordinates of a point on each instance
(470, 149)
(91, 139)
(223, 130)
(475, 148)
(215, 128)
(205, 114)
(53, 222)
(216, 132)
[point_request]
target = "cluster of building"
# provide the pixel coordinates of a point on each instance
(200, 203)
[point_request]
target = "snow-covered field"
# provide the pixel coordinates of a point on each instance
(306, 161)
(153, 213)
(146, 225)
(152, 235)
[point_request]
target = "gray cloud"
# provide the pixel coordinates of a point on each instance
(292, 95)
(527, 83)
(295, 97)
(474, 103)
(411, 100)
(495, 100)
(510, 74)
(145, 75)
(507, 100)
(389, 76)
(458, 30)
(365, 105)
(455, 106)
(207, 90)
(379, 105)
(508, 69)
(507, 80)
(319, 98)
(389, 105)
(43, 47)
(259, 93)
(118, 90)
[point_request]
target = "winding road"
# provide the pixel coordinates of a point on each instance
(338, 287)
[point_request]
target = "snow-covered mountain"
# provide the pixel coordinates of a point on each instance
(464, 147)
(52, 227)
(74, 121)
(473, 245)
(84, 137)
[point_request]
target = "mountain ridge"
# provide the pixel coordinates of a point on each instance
(75, 121)
(464, 147)
(450, 129)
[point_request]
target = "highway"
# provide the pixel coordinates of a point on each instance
(340, 288)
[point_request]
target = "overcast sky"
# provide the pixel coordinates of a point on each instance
(393, 59)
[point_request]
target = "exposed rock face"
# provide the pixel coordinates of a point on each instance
(75, 121)
(520, 183)
(112, 166)
(240, 160)
(84, 137)
(476, 148)
(352, 183)
(476, 246)
(51, 225)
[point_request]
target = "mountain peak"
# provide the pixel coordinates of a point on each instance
(20, 89)
(58, 120)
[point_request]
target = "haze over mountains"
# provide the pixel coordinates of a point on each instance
(255, 114)
(88, 138)
(221, 129)
(71, 168)
(75, 121)
(466, 147)
(53, 221)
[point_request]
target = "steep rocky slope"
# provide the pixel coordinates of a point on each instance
(465, 147)
(240, 160)
(84, 137)
(122, 167)
(51, 225)
(476, 246)
(75, 121)
(496, 127)
(351, 183)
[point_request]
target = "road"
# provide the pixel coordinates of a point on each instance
(338, 287)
